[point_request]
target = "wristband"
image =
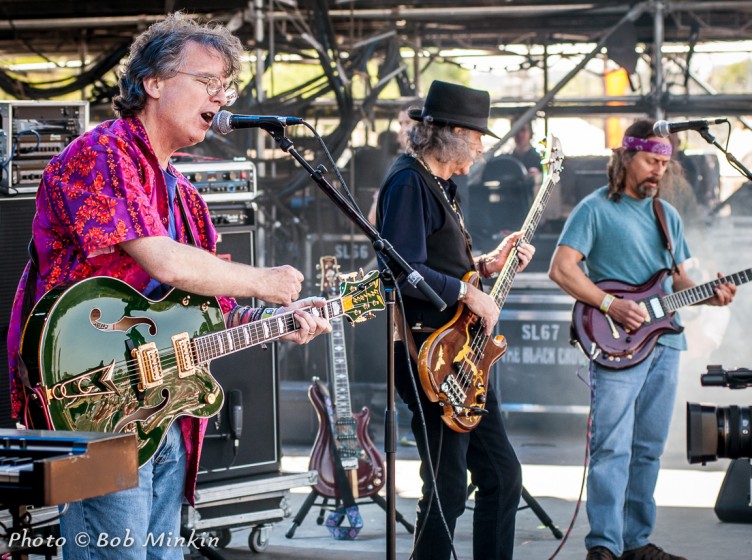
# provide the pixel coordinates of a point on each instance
(482, 268)
(608, 299)
(463, 291)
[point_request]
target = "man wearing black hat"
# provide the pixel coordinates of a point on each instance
(419, 213)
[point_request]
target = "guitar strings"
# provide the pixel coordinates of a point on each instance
(168, 358)
(480, 339)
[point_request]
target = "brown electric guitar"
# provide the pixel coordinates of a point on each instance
(455, 361)
(339, 428)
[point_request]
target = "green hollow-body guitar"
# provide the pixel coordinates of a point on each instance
(98, 356)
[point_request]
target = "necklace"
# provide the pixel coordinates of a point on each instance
(452, 203)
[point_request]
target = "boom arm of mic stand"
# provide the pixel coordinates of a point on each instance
(380, 245)
(738, 165)
(393, 261)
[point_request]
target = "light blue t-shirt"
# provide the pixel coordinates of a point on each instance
(622, 241)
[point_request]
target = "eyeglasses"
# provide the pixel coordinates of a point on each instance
(214, 86)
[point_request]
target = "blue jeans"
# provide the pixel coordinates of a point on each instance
(631, 416)
(140, 523)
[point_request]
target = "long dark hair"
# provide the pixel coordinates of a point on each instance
(621, 158)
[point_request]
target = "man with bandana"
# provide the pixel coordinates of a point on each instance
(615, 232)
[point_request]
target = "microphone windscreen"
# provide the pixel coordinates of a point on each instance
(662, 129)
(221, 123)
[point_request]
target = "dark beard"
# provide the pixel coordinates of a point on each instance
(646, 190)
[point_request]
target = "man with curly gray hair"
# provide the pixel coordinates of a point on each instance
(419, 213)
(112, 204)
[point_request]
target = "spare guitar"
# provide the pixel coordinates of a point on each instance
(100, 357)
(339, 428)
(455, 360)
(604, 340)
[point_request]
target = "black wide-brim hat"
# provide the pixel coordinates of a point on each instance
(455, 105)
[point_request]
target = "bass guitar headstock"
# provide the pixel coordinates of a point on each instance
(553, 159)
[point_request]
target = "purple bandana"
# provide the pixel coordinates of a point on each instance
(644, 145)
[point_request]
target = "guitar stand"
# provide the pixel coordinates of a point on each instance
(533, 504)
(311, 501)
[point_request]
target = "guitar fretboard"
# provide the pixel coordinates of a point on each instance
(503, 283)
(234, 339)
(696, 294)
(341, 381)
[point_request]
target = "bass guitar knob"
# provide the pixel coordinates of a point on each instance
(481, 398)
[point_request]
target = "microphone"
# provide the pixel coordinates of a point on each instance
(236, 415)
(225, 122)
(664, 128)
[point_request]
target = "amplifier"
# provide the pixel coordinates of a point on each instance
(31, 133)
(233, 214)
(221, 181)
(353, 251)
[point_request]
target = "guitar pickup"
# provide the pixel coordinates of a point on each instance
(149, 366)
(181, 344)
(655, 306)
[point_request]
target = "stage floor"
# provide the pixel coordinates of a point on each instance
(552, 473)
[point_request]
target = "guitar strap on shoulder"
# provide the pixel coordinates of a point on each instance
(34, 417)
(30, 288)
(184, 214)
(661, 217)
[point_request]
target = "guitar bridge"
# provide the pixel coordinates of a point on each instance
(454, 392)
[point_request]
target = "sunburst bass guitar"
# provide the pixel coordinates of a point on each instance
(455, 360)
(101, 357)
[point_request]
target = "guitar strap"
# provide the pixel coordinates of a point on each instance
(661, 217)
(34, 416)
(184, 214)
(406, 335)
(30, 287)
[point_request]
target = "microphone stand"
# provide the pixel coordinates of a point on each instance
(391, 261)
(731, 158)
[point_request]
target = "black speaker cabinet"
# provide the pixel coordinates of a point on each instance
(16, 215)
(732, 505)
(237, 243)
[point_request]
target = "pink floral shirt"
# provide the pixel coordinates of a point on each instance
(107, 187)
